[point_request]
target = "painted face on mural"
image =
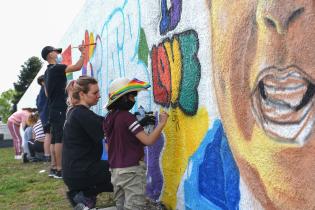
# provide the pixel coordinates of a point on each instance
(264, 61)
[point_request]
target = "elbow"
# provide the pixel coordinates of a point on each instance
(149, 142)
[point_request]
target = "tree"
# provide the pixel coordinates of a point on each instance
(6, 104)
(30, 68)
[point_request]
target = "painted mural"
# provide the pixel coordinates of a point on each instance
(236, 78)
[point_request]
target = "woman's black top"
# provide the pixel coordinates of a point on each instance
(82, 146)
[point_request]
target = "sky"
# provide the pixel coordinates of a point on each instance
(26, 27)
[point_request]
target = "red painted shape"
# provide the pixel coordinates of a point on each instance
(161, 76)
(67, 56)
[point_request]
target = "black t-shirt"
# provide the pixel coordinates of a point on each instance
(82, 145)
(55, 82)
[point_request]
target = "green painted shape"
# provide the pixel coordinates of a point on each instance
(191, 72)
(143, 50)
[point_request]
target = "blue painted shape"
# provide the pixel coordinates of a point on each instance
(212, 177)
(165, 18)
(104, 154)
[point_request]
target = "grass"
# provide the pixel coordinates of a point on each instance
(22, 186)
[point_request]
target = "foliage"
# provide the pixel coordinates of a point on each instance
(25, 186)
(6, 104)
(30, 68)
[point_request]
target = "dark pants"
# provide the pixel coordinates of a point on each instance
(98, 181)
(35, 146)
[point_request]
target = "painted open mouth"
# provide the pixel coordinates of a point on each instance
(282, 102)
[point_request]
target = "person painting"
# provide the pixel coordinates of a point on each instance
(55, 83)
(126, 140)
(84, 173)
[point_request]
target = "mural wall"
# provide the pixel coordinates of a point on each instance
(237, 80)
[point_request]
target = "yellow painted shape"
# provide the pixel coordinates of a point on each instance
(183, 135)
(175, 61)
(91, 47)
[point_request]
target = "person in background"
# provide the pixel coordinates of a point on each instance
(28, 136)
(37, 145)
(34, 139)
(55, 83)
(84, 173)
(42, 106)
(126, 139)
(16, 120)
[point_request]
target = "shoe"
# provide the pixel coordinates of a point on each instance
(34, 159)
(89, 202)
(70, 195)
(25, 159)
(81, 206)
(52, 172)
(18, 157)
(47, 159)
(58, 175)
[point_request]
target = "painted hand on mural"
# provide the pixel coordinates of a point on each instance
(263, 61)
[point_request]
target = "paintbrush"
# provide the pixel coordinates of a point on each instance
(85, 45)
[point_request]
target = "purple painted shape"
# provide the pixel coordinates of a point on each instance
(171, 17)
(154, 174)
(175, 13)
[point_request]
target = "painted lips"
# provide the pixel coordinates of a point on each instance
(282, 103)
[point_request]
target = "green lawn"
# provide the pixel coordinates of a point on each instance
(22, 186)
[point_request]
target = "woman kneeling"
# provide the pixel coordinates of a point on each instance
(85, 174)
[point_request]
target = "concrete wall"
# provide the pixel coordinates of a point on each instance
(237, 80)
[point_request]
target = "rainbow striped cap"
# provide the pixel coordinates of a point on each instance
(121, 86)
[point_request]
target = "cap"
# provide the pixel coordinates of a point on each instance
(46, 50)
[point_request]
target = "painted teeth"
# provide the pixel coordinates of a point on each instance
(291, 95)
(283, 104)
(280, 112)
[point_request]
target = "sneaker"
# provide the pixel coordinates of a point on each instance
(70, 195)
(34, 159)
(81, 206)
(52, 172)
(18, 157)
(25, 159)
(47, 159)
(58, 175)
(89, 202)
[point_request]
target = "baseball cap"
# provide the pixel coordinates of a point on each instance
(46, 50)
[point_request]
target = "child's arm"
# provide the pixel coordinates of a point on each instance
(152, 137)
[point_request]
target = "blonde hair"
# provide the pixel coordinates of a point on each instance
(32, 119)
(70, 89)
(76, 86)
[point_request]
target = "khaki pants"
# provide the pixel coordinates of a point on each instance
(129, 187)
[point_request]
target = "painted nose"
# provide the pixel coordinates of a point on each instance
(280, 14)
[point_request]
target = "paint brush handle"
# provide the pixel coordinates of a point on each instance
(85, 45)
